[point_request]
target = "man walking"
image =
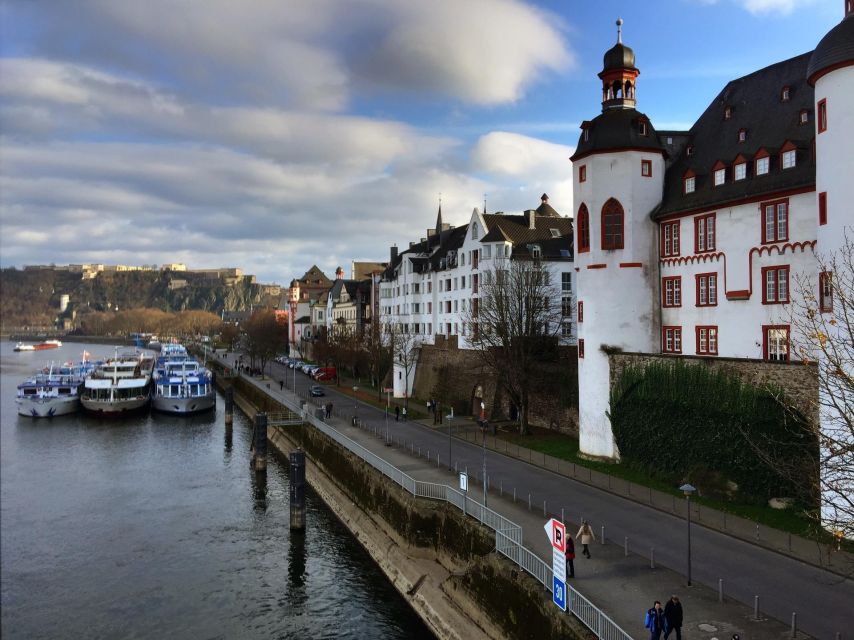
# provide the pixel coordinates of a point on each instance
(655, 621)
(585, 532)
(397, 413)
(673, 617)
(404, 414)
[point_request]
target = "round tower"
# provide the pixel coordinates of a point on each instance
(618, 173)
(831, 73)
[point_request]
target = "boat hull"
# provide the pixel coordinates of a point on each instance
(47, 407)
(115, 408)
(184, 406)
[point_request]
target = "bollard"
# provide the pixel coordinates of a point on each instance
(603, 534)
(757, 531)
(626, 547)
(756, 607)
(437, 459)
(501, 488)
(561, 515)
(514, 494)
(652, 558)
(259, 440)
(297, 489)
(720, 589)
(544, 508)
(794, 624)
(529, 502)
(229, 406)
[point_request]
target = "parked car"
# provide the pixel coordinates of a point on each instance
(317, 390)
(324, 373)
(295, 364)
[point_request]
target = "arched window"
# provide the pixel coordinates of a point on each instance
(612, 225)
(583, 223)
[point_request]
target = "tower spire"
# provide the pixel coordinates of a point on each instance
(619, 30)
(439, 217)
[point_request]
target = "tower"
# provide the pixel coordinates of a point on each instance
(618, 173)
(831, 73)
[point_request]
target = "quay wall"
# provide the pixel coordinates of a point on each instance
(441, 562)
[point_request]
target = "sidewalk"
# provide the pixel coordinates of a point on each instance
(624, 586)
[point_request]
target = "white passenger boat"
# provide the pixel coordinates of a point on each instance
(181, 385)
(119, 386)
(54, 392)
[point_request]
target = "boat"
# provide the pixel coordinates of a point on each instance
(119, 385)
(21, 346)
(52, 392)
(182, 386)
(47, 344)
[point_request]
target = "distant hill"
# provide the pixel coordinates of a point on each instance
(32, 298)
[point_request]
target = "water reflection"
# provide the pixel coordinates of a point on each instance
(259, 489)
(296, 594)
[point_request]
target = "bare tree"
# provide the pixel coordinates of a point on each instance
(406, 347)
(379, 352)
(266, 337)
(513, 326)
(822, 321)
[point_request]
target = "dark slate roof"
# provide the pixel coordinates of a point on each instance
(618, 57)
(837, 47)
(770, 123)
(515, 228)
(546, 210)
(617, 129)
(557, 249)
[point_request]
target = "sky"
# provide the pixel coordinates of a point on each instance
(276, 134)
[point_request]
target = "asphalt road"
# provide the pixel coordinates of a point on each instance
(823, 601)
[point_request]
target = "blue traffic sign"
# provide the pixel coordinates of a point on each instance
(559, 592)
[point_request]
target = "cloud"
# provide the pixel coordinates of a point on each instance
(760, 7)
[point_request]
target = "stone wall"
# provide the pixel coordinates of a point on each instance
(798, 381)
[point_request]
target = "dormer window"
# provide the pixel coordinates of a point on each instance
(788, 159)
(727, 112)
(689, 150)
(742, 135)
(784, 94)
(586, 135)
(762, 163)
(555, 233)
(720, 177)
(642, 128)
(536, 251)
(689, 182)
(474, 231)
(739, 168)
(804, 118)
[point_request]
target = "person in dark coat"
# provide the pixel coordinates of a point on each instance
(655, 621)
(673, 617)
(397, 413)
(570, 557)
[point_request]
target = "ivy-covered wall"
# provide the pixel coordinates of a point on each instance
(684, 422)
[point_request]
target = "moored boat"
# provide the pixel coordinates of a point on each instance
(22, 346)
(181, 385)
(47, 344)
(54, 392)
(118, 386)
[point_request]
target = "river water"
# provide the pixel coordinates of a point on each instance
(155, 527)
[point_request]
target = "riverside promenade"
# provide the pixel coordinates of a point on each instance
(624, 586)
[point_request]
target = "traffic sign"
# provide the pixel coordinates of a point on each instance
(464, 482)
(559, 593)
(558, 564)
(556, 531)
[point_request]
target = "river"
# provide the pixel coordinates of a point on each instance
(155, 527)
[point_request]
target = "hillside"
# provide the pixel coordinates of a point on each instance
(32, 298)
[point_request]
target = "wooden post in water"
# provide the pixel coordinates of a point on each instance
(297, 482)
(259, 457)
(229, 406)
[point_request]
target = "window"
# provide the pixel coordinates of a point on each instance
(776, 290)
(707, 289)
(462, 282)
(580, 311)
(612, 225)
(822, 116)
(707, 341)
(430, 287)
(646, 168)
(671, 339)
(586, 135)
(689, 150)
(804, 117)
(671, 289)
(487, 251)
(582, 173)
(474, 283)
(456, 306)
(642, 128)
(784, 94)
(583, 229)
(720, 177)
(670, 239)
(704, 233)
(566, 307)
(825, 292)
(822, 207)
(762, 163)
(474, 258)
(555, 234)
(740, 171)
(690, 184)
(566, 282)
(429, 307)
(775, 221)
(566, 330)
(727, 112)
(775, 341)
(787, 159)
(474, 231)
(581, 348)
(536, 252)
(742, 135)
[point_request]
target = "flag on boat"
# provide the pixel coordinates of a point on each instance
(86, 356)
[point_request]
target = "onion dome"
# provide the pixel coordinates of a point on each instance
(835, 50)
(619, 57)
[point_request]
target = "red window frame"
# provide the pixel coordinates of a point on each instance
(582, 173)
(778, 230)
(687, 176)
(772, 277)
(821, 118)
(709, 283)
(583, 229)
(670, 241)
(707, 340)
(580, 311)
(671, 286)
(822, 207)
(702, 243)
(646, 168)
(613, 225)
(581, 348)
(761, 155)
(766, 342)
(825, 291)
(675, 335)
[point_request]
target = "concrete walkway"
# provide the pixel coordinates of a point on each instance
(623, 586)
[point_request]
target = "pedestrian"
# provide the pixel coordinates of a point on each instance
(281, 384)
(570, 557)
(429, 407)
(397, 413)
(585, 532)
(673, 617)
(404, 414)
(655, 621)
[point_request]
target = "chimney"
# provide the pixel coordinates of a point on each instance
(532, 218)
(544, 198)
(393, 255)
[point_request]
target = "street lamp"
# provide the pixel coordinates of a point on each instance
(688, 489)
(483, 435)
(450, 417)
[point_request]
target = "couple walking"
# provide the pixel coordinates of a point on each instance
(665, 620)
(587, 537)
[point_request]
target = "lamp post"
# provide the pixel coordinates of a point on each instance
(483, 435)
(688, 489)
(450, 417)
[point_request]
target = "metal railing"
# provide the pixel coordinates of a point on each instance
(508, 534)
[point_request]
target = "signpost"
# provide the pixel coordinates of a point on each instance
(556, 531)
(464, 487)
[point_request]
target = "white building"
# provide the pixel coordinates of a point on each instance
(429, 288)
